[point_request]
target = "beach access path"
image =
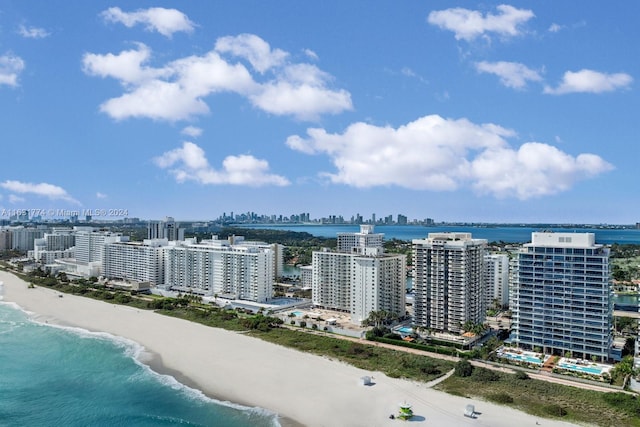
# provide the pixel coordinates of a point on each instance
(506, 369)
(304, 389)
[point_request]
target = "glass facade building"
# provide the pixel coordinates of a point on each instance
(562, 296)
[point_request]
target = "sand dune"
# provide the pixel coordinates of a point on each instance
(302, 388)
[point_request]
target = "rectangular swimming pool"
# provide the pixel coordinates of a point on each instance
(522, 358)
(593, 370)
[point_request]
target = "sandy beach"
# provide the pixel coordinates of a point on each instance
(303, 389)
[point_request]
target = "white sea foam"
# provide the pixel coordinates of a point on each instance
(138, 353)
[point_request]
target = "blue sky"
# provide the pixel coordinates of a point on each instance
(456, 111)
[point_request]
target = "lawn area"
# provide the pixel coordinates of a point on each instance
(547, 399)
(396, 364)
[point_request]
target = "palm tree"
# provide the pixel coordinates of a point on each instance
(379, 318)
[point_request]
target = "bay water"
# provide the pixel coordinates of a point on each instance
(508, 234)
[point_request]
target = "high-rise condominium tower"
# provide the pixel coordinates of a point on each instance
(448, 278)
(562, 296)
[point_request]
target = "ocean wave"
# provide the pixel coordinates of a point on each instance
(172, 382)
(137, 352)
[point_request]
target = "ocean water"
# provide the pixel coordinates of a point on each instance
(509, 234)
(55, 376)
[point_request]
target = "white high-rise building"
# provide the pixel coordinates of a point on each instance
(22, 238)
(5, 239)
(59, 239)
(497, 280)
(306, 277)
(167, 229)
(331, 280)
(135, 261)
(562, 297)
(359, 279)
(354, 242)
(276, 248)
(90, 243)
(217, 267)
(448, 279)
(378, 283)
(45, 256)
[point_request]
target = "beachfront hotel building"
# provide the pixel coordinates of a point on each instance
(359, 279)
(218, 267)
(496, 275)
(135, 261)
(562, 296)
(88, 251)
(448, 279)
(90, 243)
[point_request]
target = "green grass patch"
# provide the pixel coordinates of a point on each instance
(547, 399)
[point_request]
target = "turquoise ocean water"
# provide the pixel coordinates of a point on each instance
(54, 376)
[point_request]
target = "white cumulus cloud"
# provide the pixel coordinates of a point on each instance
(511, 74)
(554, 28)
(469, 24)
(10, 68)
(100, 195)
(438, 154)
(533, 170)
(189, 163)
(177, 90)
(253, 49)
(192, 131)
(127, 66)
(13, 199)
(164, 21)
(33, 32)
(311, 54)
(590, 81)
(43, 189)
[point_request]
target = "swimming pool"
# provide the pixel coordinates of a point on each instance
(298, 313)
(405, 330)
(589, 369)
(522, 358)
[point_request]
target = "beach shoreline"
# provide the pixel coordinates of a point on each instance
(303, 389)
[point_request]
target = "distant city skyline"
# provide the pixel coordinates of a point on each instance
(521, 112)
(27, 217)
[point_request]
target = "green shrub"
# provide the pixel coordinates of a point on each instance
(463, 369)
(521, 375)
(630, 404)
(555, 410)
(485, 375)
(502, 398)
